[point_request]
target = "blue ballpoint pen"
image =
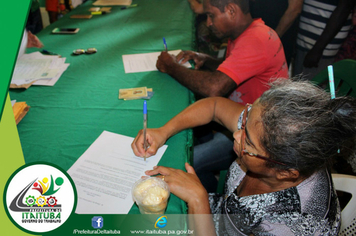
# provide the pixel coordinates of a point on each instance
(165, 44)
(144, 126)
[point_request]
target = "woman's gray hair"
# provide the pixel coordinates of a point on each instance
(304, 127)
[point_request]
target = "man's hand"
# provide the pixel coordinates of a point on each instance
(33, 41)
(165, 61)
(198, 58)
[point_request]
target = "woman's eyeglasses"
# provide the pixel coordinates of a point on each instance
(243, 136)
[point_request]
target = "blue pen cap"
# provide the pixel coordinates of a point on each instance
(144, 107)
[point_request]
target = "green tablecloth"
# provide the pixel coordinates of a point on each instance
(64, 120)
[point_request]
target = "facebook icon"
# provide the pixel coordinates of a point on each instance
(97, 222)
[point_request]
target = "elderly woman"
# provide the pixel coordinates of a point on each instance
(280, 183)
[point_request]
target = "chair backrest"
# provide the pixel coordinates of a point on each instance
(221, 182)
(344, 78)
(347, 183)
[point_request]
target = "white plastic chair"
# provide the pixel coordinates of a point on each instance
(347, 183)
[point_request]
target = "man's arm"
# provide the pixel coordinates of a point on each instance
(201, 60)
(204, 83)
(289, 16)
(333, 26)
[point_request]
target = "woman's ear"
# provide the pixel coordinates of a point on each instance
(290, 174)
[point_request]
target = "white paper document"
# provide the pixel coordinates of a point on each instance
(29, 70)
(145, 61)
(43, 69)
(105, 173)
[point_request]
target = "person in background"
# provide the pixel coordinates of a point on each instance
(254, 56)
(65, 6)
(57, 8)
(206, 41)
(34, 20)
(323, 27)
(280, 183)
(52, 7)
(348, 47)
(282, 16)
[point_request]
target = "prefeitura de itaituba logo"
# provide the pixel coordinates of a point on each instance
(39, 198)
(42, 207)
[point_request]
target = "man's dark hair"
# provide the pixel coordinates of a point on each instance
(220, 4)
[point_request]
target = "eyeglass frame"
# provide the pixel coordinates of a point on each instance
(243, 136)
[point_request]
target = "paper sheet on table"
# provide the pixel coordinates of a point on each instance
(52, 81)
(28, 70)
(105, 173)
(26, 74)
(112, 3)
(145, 61)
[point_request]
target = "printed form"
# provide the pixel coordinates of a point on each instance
(38, 69)
(105, 173)
(145, 61)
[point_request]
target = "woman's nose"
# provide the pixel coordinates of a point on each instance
(237, 135)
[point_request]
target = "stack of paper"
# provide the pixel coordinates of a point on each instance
(20, 110)
(37, 69)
